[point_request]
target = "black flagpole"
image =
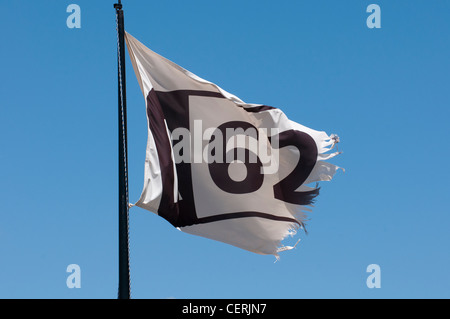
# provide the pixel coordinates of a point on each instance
(124, 262)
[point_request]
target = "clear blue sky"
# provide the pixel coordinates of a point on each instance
(384, 91)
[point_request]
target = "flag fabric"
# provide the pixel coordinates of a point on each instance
(221, 168)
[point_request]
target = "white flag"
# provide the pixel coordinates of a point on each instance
(220, 168)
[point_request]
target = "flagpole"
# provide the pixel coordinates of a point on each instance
(124, 262)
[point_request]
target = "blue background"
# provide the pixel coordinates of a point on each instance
(385, 92)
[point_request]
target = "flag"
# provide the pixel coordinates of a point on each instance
(221, 168)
